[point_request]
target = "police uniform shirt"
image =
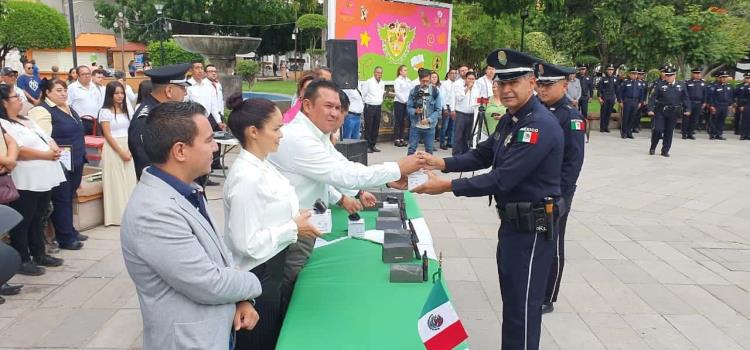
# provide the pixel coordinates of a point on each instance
(672, 95)
(721, 95)
(587, 86)
(607, 87)
(630, 89)
(697, 90)
(135, 131)
(574, 132)
(742, 94)
(525, 153)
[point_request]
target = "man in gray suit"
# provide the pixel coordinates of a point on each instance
(191, 296)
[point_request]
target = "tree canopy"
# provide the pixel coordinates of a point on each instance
(30, 25)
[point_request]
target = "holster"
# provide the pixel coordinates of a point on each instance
(525, 216)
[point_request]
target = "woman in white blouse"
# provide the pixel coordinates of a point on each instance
(36, 173)
(118, 170)
(262, 213)
(402, 86)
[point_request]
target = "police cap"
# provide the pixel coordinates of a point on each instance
(722, 73)
(549, 73)
(610, 66)
(171, 74)
(697, 70)
(746, 75)
(511, 64)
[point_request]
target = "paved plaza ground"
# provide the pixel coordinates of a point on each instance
(658, 256)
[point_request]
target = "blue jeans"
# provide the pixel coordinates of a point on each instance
(446, 131)
(350, 129)
(426, 135)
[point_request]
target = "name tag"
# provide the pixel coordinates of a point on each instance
(628, 85)
(719, 89)
(690, 85)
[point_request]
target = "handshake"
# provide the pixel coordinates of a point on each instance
(415, 162)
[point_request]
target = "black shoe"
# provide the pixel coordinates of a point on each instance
(665, 154)
(607, 131)
(48, 260)
(31, 269)
(449, 145)
(73, 246)
(631, 137)
(636, 131)
(7, 289)
(623, 136)
(397, 143)
(684, 137)
(375, 149)
(443, 147)
(218, 167)
(711, 137)
(691, 137)
(2, 300)
(81, 237)
(721, 138)
(369, 150)
(744, 138)
(651, 152)
(547, 308)
(211, 183)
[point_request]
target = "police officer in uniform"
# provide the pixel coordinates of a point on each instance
(630, 98)
(668, 103)
(551, 87)
(697, 92)
(643, 109)
(587, 90)
(168, 84)
(525, 154)
(607, 89)
(743, 106)
(720, 98)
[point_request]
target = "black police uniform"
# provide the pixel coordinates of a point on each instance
(587, 90)
(575, 138)
(172, 74)
(525, 153)
(630, 94)
(697, 92)
(720, 97)
(668, 102)
(644, 106)
(607, 89)
(743, 102)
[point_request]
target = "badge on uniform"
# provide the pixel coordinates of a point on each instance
(577, 124)
(528, 135)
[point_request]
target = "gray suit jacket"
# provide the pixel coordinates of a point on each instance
(187, 286)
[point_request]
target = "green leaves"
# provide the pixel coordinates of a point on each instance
(29, 25)
(173, 53)
(475, 33)
(311, 21)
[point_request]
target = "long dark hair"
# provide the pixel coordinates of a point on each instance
(144, 89)
(246, 113)
(5, 92)
(109, 99)
(47, 85)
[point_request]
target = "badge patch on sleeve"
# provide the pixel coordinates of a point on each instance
(528, 135)
(577, 124)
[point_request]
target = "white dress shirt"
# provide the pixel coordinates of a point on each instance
(402, 86)
(373, 91)
(485, 86)
(356, 105)
(217, 93)
(35, 175)
(259, 206)
(446, 94)
(130, 98)
(85, 100)
(202, 93)
(312, 164)
(466, 102)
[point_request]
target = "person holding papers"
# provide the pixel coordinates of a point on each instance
(57, 119)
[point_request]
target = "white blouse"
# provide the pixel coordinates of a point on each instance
(33, 175)
(117, 126)
(259, 207)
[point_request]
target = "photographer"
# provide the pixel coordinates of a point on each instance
(423, 107)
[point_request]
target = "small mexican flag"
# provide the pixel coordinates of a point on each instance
(439, 326)
(577, 124)
(527, 136)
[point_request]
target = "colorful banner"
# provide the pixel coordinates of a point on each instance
(390, 33)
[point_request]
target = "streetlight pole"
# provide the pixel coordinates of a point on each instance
(524, 16)
(159, 8)
(122, 23)
(72, 33)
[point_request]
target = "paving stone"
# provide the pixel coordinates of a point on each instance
(613, 331)
(701, 332)
(658, 333)
(628, 272)
(120, 331)
(75, 293)
(76, 328)
(570, 332)
(661, 299)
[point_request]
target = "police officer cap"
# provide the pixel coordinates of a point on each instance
(723, 73)
(747, 74)
(641, 70)
(549, 73)
(511, 64)
(171, 74)
(697, 70)
(580, 66)
(611, 66)
(669, 70)
(633, 70)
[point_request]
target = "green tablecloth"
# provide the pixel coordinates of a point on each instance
(343, 299)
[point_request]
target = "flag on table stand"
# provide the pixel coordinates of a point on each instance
(439, 326)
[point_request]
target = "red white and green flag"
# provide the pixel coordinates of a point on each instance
(527, 136)
(577, 124)
(439, 326)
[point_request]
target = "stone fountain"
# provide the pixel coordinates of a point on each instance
(221, 51)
